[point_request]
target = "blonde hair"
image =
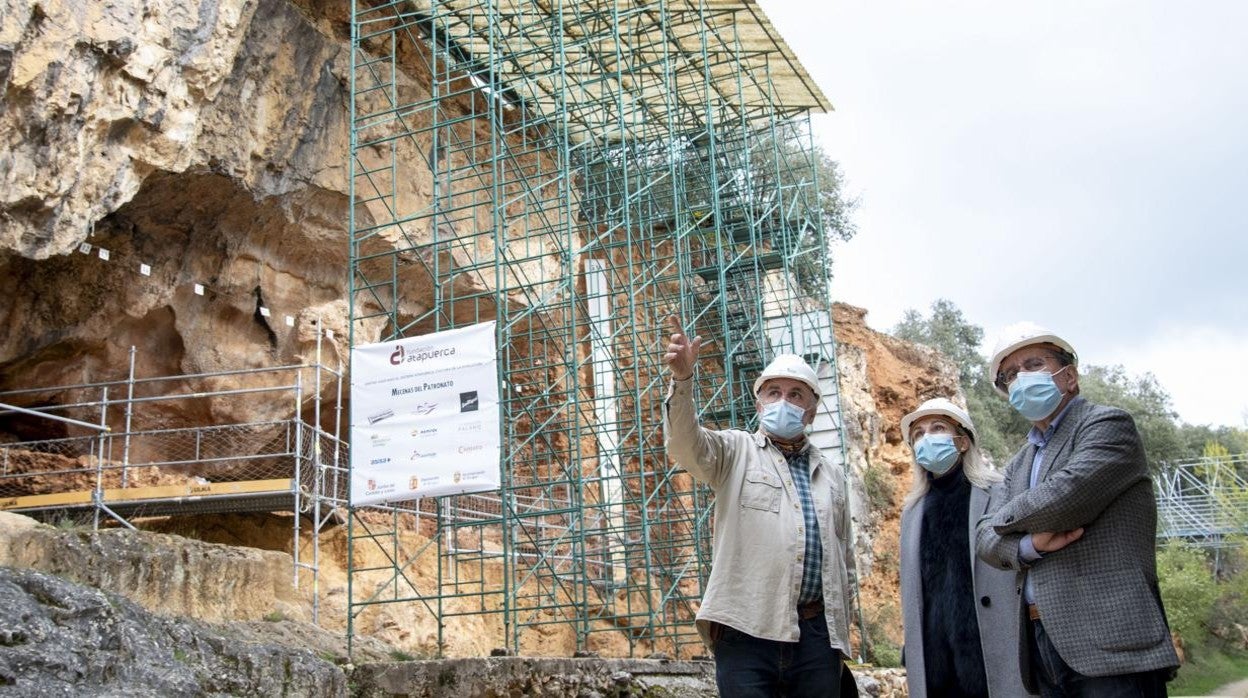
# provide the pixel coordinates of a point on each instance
(973, 464)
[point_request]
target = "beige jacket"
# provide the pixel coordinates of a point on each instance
(758, 539)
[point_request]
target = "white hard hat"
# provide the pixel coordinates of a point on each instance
(1017, 336)
(789, 366)
(938, 406)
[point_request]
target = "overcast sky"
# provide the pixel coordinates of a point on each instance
(1080, 164)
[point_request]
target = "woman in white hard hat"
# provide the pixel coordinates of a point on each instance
(961, 629)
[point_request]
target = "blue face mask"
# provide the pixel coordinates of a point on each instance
(936, 453)
(1035, 395)
(782, 419)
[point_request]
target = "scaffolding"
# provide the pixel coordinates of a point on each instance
(106, 451)
(1204, 501)
(577, 172)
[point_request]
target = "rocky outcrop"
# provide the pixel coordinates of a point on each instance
(147, 146)
(522, 676)
(58, 638)
(881, 379)
(166, 574)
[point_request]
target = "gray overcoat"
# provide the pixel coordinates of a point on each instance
(996, 607)
(1098, 597)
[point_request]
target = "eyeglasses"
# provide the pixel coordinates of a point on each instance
(1031, 364)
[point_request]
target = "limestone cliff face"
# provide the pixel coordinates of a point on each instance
(882, 379)
(61, 638)
(206, 140)
(172, 170)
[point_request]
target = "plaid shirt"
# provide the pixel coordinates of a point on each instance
(812, 559)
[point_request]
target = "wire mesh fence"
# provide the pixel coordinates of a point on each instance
(128, 464)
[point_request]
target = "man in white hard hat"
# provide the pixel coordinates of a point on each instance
(1078, 522)
(961, 630)
(775, 611)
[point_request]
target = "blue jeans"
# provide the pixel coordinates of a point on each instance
(1058, 680)
(749, 667)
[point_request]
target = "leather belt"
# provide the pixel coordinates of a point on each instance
(810, 610)
(1033, 611)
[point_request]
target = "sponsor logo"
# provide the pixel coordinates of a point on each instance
(379, 461)
(374, 488)
(379, 416)
(6, 503)
(421, 455)
(427, 431)
(468, 401)
(417, 354)
(474, 475)
(424, 408)
(470, 449)
(469, 426)
(421, 388)
(379, 439)
(413, 483)
(198, 489)
(455, 477)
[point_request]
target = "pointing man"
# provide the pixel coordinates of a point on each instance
(775, 609)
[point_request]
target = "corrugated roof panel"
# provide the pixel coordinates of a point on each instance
(670, 59)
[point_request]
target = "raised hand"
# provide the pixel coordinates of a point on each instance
(682, 353)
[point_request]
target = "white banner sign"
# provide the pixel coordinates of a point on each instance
(424, 416)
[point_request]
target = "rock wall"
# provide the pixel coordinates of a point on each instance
(62, 638)
(167, 574)
(882, 378)
(206, 140)
(83, 612)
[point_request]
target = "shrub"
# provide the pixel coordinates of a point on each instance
(1229, 622)
(880, 649)
(879, 490)
(1188, 590)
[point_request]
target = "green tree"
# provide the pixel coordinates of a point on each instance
(1146, 401)
(948, 332)
(796, 187)
(1001, 430)
(1197, 438)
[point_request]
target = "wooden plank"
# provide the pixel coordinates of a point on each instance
(136, 494)
(195, 489)
(42, 501)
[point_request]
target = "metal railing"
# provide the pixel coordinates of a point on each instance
(115, 459)
(1204, 501)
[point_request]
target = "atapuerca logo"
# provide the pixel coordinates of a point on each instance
(396, 357)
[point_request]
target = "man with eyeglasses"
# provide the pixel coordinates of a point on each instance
(775, 610)
(1077, 519)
